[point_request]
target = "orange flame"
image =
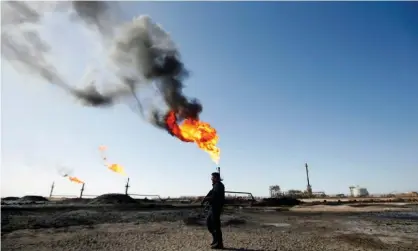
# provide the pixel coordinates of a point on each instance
(192, 130)
(113, 167)
(75, 179)
(116, 168)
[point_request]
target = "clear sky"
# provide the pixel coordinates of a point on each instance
(332, 84)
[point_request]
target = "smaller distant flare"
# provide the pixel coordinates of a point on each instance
(113, 167)
(74, 179)
(194, 130)
(117, 168)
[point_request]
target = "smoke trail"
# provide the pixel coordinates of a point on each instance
(24, 48)
(64, 171)
(28, 51)
(146, 54)
(142, 55)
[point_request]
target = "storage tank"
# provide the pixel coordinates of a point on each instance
(358, 191)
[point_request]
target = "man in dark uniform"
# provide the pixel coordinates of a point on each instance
(216, 199)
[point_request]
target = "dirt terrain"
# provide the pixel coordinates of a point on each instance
(127, 226)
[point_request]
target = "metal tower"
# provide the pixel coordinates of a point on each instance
(308, 187)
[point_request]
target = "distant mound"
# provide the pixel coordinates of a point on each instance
(33, 198)
(274, 202)
(9, 198)
(113, 198)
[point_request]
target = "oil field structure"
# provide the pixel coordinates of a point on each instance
(275, 192)
(249, 196)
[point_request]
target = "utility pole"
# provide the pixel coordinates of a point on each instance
(308, 188)
(52, 190)
(127, 187)
(81, 191)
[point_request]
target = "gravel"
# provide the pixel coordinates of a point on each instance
(177, 236)
(107, 229)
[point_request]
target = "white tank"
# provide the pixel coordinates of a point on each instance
(359, 191)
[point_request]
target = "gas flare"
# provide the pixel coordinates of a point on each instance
(141, 55)
(194, 130)
(75, 180)
(116, 168)
(113, 167)
(67, 172)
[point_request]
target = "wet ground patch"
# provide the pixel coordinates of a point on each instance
(409, 216)
(277, 224)
(276, 202)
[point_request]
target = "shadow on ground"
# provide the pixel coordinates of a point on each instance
(242, 249)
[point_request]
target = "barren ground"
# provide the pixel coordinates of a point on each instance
(318, 228)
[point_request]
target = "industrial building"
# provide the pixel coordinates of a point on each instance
(356, 191)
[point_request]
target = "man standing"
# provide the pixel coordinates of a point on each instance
(216, 199)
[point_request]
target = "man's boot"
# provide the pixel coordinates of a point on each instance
(213, 239)
(217, 245)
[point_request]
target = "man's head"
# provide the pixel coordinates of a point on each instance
(216, 177)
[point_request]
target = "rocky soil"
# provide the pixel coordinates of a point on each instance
(118, 228)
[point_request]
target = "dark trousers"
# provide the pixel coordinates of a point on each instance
(213, 222)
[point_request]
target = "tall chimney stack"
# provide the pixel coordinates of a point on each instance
(308, 187)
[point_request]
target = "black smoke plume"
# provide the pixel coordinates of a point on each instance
(142, 54)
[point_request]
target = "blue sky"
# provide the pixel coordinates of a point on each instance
(331, 84)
